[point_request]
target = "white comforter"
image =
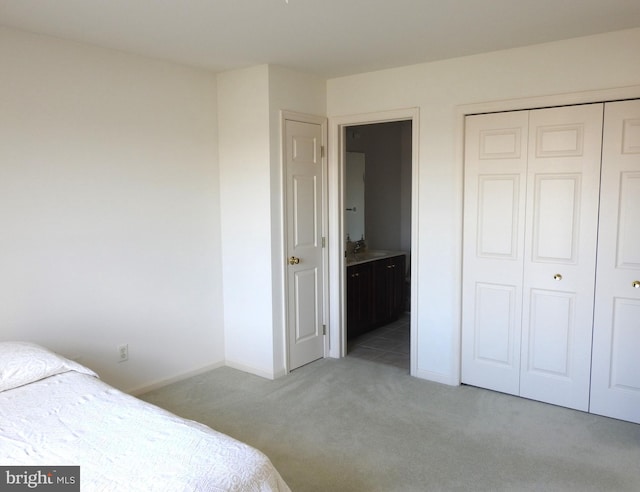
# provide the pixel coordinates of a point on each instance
(122, 443)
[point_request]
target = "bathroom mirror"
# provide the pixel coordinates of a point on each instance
(354, 195)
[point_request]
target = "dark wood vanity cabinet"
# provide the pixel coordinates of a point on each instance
(375, 294)
(359, 299)
(388, 277)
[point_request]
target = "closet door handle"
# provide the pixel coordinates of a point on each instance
(636, 284)
(557, 276)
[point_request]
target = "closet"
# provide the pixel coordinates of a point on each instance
(551, 256)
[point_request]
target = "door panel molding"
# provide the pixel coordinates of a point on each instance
(556, 218)
(498, 202)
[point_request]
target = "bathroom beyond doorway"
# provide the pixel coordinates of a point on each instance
(387, 175)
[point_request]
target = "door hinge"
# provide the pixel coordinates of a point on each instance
(324, 243)
(324, 329)
(322, 151)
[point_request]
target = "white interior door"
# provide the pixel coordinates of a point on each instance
(494, 213)
(563, 184)
(304, 203)
(615, 380)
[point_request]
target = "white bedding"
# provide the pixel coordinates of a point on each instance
(120, 442)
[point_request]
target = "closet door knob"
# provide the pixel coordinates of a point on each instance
(636, 284)
(557, 276)
(294, 261)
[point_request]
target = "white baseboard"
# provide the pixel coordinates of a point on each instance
(180, 377)
(437, 377)
(253, 370)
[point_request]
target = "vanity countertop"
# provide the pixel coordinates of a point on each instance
(371, 255)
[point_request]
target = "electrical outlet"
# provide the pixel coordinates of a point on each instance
(123, 352)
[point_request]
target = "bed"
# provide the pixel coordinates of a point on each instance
(54, 411)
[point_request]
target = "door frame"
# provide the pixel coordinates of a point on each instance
(337, 292)
(285, 116)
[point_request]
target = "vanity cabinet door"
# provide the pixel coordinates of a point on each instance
(359, 299)
(389, 275)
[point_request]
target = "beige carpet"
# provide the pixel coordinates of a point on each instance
(355, 425)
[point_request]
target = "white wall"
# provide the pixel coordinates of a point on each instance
(249, 104)
(109, 208)
(438, 89)
(243, 121)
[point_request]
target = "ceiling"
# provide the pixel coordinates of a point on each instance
(330, 38)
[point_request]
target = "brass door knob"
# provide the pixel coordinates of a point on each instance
(636, 284)
(557, 276)
(294, 261)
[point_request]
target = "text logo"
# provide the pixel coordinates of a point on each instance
(43, 478)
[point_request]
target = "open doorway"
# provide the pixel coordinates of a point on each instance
(377, 223)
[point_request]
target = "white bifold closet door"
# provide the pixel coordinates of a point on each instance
(493, 249)
(563, 188)
(530, 237)
(615, 381)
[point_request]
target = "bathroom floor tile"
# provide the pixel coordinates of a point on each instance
(389, 344)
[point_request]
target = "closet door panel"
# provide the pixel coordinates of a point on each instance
(496, 309)
(625, 341)
(563, 177)
(555, 218)
(615, 382)
(551, 325)
(495, 169)
(628, 236)
(497, 218)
